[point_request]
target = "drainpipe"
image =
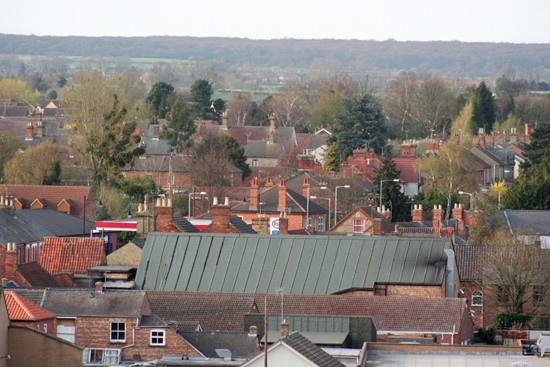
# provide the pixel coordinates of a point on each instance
(450, 274)
(133, 338)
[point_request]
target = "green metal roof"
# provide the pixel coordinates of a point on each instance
(299, 264)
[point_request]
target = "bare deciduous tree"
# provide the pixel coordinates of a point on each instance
(239, 108)
(515, 266)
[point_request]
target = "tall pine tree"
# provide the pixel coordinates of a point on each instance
(484, 114)
(361, 124)
(392, 197)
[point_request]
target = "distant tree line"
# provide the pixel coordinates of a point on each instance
(447, 58)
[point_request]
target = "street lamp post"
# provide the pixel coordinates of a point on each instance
(336, 201)
(260, 206)
(307, 208)
(381, 181)
(318, 197)
(471, 198)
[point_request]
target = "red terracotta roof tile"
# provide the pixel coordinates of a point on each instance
(36, 275)
(406, 167)
(21, 309)
(73, 255)
(225, 311)
(51, 196)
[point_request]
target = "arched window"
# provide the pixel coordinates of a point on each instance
(477, 298)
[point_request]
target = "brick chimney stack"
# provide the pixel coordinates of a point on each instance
(224, 120)
(385, 212)
(284, 328)
(283, 223)
(305, 187)
(254, 191)
(408, 148)
(99, 287)
(261, 224)
(417, 213)
(437, 216)
(30, 132)
(458, 216)
(282, 196)
(11, 260)
(163, 211)
(39, 129)
(220, 218)
(377, 226)
(306, 161)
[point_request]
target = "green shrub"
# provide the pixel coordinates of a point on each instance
(541, 323)
(511, 320)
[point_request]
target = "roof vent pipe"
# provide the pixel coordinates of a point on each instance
(450, 274)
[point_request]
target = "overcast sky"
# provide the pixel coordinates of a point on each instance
(517, 21)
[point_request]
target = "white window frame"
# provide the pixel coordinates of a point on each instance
(157, 338)
(358, 224)
(117, 331)
(108, 356)
(538, 294)
(477, 295)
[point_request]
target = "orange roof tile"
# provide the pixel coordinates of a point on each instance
(407, 169)
(21, 309)
(73, 255)
(51, 196)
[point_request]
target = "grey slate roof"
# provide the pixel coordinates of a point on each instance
(295, 201)
(87, 302)
(235, 221)
(56, 222)
(264, 149)
(20, 229)
(530, 221)
(183, 224)
(241, 345)
(299, 264)
(31, 225)
(310, 351)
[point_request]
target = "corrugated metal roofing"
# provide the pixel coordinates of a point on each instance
(300, 264)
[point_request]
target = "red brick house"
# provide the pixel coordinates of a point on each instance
(77, 201)
(365, 220)
(270, 201)
(112, 325)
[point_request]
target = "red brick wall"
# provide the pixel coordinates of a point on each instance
(175, 344)
(94, 332)
(50, 328)
(295, 221)
(400, 290)
(415, 290)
